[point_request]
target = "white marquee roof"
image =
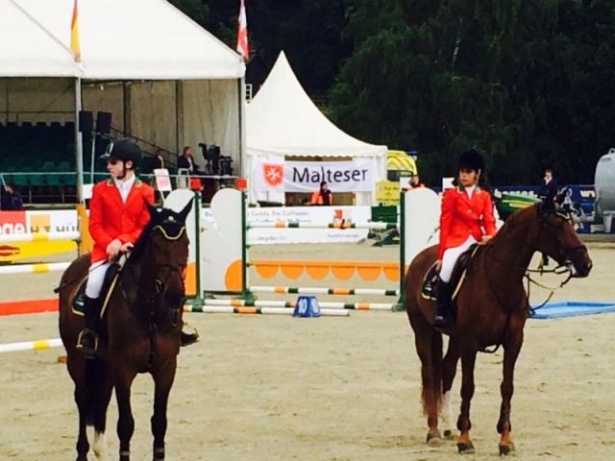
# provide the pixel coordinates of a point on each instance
(120, 39)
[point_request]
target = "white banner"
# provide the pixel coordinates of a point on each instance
(350, 176)
(310, 214)
(26, 222)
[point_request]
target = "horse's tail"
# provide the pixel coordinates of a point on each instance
(94, 382)
(436, 357)
(431, 391)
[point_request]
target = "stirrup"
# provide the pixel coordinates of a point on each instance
(88, 350)
(441, 322)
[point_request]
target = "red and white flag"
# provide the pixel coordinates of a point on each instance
(242, 32)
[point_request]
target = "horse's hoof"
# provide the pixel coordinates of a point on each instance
(506, 450)
(434, 440)
(448, 434)
(465, 448)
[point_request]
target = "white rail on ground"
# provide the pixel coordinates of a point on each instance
(33, 268)
(31, 345)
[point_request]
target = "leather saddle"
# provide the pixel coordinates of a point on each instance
(430, 280)
(110, 279)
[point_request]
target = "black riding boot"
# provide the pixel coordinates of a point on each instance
(443, 300)
(87, 343)
(189, 338)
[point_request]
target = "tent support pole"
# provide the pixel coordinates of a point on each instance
(78, 142)
(177, 99)
(242, 128)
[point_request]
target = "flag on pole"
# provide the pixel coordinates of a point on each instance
(75, 47)
(242, 33)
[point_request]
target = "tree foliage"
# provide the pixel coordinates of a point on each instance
(530, 83)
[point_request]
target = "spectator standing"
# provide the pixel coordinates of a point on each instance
(11, 199)
(548, 188)
(322, 196)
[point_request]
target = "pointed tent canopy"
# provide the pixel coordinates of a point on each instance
(282, 120)
(123, 40)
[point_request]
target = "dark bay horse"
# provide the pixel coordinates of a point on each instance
(140, 332)
(491, 310)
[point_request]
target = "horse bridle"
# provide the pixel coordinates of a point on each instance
(154, 299)
(565, 252)
(179, 269)
(561, 269)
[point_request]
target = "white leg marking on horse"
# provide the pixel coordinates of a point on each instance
(99, 445)
(445, 411)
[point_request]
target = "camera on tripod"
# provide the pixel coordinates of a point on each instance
(216, 164)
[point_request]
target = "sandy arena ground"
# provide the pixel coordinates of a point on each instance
(271, 388)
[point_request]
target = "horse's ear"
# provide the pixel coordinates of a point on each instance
(184, 213)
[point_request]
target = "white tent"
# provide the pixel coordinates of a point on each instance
(164, 78)
(127, 40)
(283, 121)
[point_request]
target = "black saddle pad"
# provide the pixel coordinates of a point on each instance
(78, 301)
(430, 280)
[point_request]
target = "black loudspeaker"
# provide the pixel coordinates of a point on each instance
(103, 122)
(86, 121)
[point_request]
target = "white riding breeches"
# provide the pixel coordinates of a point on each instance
(96, 277)
(450, 258)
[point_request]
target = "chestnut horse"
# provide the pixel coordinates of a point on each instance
(491, 309)
(140, 332)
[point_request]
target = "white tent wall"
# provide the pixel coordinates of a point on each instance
(153, 114)
(207, 112)
(37, 100)
(210, 115)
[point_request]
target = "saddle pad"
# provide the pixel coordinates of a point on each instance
(109, 282)
(430, 282)
(429, 288)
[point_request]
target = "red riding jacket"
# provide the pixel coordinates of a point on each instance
(111, 218)
(463, 216)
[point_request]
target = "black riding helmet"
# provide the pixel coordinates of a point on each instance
(123, 149)
(471, 160)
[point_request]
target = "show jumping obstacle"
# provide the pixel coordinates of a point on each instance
(227, 250)
(37, 268)
(39, 345)
(232, 273)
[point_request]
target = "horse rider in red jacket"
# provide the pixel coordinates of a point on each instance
(466, 219)
(118, 214)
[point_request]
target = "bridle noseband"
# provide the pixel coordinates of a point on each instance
(564, 251)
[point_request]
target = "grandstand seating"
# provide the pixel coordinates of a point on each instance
(39, 159)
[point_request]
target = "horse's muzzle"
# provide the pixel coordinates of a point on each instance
(582, 269)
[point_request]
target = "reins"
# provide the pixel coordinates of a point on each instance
(559, 270)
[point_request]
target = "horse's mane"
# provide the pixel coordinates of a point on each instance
(141, 243)
(514, 220)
